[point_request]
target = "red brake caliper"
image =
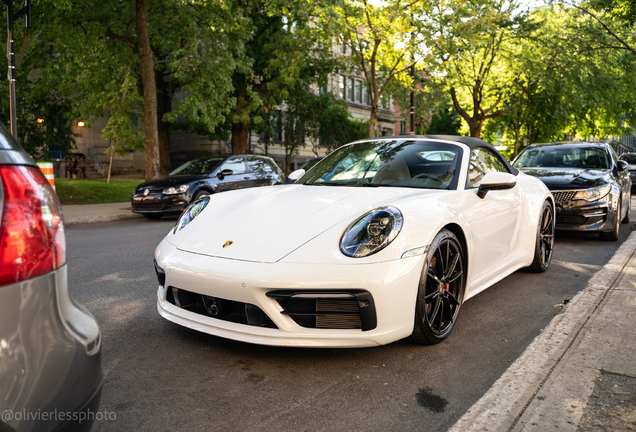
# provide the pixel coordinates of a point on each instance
(447, 287)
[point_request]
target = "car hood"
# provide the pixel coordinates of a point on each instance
(570, 178)
(266, 224)
(165, 182)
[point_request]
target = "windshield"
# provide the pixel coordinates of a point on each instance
(199, 166)
(419, 164)
(563, 157)
(630, 158)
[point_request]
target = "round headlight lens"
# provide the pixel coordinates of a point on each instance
(175, 190)
(191, 212)
(372, 232)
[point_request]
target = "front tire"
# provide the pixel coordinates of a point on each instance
(613, 235)
(441, 290)
(545, 240)
(629, 209)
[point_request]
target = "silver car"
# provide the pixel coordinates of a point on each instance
(50, 346)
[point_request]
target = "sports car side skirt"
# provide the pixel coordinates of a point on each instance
(226, 310)
(350, 309)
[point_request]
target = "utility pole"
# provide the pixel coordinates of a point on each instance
(11, 17)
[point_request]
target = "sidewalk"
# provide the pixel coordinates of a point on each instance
(580, 373)
(92, 213)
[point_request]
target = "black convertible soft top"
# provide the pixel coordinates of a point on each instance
(468, 141)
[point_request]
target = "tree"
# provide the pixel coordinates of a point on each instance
(380, 40)
(286, 38)
(473, 47)
(585, 90)
(194, 46)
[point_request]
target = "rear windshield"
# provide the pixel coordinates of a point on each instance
(6, 140)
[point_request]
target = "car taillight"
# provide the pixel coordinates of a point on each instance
(32, 241)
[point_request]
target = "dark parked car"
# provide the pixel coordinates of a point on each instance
(50, 346)
(171, 194)
(591, 187)
(630, 158)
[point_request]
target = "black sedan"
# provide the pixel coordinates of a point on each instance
(591, 187)
(630, 158)
(171, 194)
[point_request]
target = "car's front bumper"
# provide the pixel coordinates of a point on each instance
(392, 287)
(158, 203)
(581, 215)
(50, 356)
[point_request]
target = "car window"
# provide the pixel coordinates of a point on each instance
(236, 164)
(258, 165)
(483, 161)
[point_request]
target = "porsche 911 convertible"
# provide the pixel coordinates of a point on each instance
(383, 239)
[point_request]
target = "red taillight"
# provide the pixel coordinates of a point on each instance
(32, 241)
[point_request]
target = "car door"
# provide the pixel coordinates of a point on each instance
(239, 178)
(260, 171)
(494, 220)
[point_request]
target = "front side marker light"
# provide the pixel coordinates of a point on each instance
(415, 252)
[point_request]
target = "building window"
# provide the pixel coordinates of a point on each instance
(365, 96)
(350, 89)
(358, 97)
(402, 126)
(341, 85)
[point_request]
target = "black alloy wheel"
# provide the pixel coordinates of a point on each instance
(545, 240)
(441, 290)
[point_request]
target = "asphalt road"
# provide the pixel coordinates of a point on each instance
(162, 377)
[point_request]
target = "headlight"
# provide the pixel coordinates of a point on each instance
(191, 212)
(175, 190)
(593, 194)
(372, 232)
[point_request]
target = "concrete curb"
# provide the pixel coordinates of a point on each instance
(97, 213)
(501, 408)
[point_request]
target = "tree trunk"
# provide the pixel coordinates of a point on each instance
(164, 105)
(517, 130)
(241, 128)
(153, 164)
(373, 120)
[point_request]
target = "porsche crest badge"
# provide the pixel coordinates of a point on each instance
(227, 244)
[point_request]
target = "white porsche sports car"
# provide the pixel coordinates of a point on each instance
(383, 239)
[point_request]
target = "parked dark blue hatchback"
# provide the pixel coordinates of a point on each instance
(171, 194)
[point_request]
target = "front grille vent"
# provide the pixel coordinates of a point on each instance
(351, 309)
(147, 206)
(226, 310)
(564, 195)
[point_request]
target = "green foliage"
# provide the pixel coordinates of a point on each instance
(76, 191)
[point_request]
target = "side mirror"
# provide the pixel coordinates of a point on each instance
(622, 165)
(496, 181)
(294, 176)
(226, 172)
